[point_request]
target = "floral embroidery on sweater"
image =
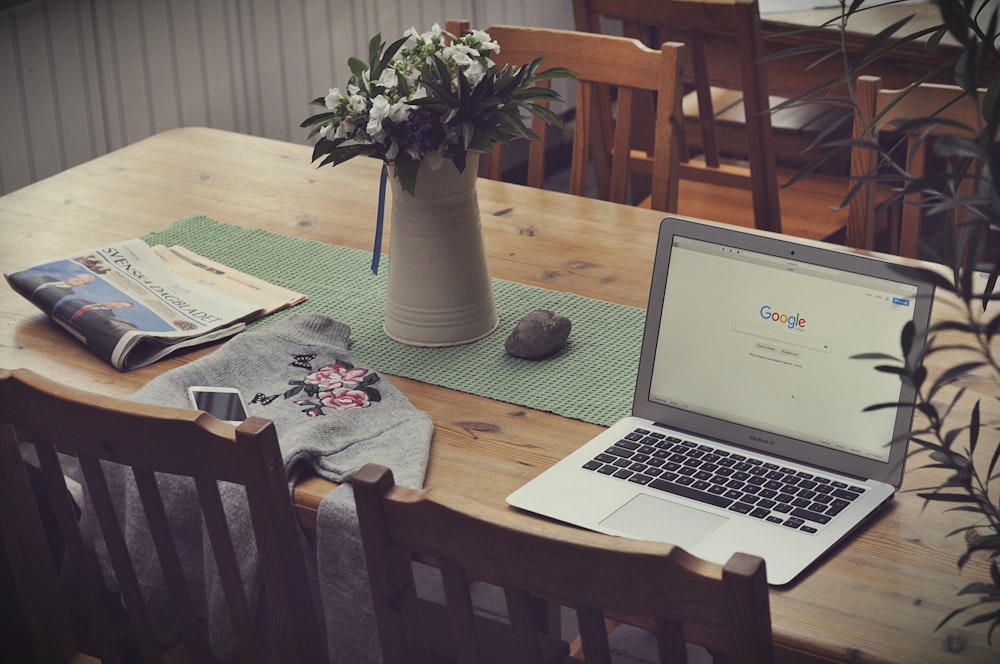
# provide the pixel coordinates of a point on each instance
(341, 386)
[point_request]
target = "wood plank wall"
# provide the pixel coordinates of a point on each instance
(79, 78)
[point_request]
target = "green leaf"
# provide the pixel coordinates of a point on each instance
(358, 67)
(406, 171)
(374, 48)
(947, 497)
(875, 356)
(387, 57)
(315, 119)
(974, 428)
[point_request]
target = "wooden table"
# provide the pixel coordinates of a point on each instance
(792, 29)
(876, 599)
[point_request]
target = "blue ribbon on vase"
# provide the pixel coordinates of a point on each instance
(380, 220)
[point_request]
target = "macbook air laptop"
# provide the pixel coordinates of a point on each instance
(750, 428)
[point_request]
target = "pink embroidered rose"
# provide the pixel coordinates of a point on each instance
(324, 379)
(343, 398)
(351, 376)
(334, 375)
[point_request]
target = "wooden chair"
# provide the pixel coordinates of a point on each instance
(71, 615)
(682, 596)
(878, 191)
(600, 60)
(712, 186)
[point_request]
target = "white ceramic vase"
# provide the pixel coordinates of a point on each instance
(439, 291)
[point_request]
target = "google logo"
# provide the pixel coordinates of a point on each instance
(793, 321)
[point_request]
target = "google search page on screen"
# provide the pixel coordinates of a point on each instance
(759, 340)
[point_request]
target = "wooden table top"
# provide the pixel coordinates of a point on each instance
(790, 29)
(877, 598)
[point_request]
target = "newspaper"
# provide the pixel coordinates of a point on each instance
(133, 304)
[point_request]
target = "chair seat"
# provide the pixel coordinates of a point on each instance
(808, 207)
(793, 129)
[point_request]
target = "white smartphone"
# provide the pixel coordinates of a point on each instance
(225, 403)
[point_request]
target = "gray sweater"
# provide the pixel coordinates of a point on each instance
(332, 416)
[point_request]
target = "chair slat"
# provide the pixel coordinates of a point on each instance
(621, 149)
(121, 560)
(95, 611)
(228, 568)
(177, 587)
(460, 614)
(521, 611)
(593, 635)
(670, 641)
(581, 142)
(34, 571)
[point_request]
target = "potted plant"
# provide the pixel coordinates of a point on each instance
(964, 448)
(422, 105)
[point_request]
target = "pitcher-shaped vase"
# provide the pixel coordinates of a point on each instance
(439, 291)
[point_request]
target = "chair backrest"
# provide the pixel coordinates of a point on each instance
(737, 21)
(877, 191)
(597, 575)
(105, 434)
(599, 60)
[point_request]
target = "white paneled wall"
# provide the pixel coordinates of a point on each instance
(81, 77)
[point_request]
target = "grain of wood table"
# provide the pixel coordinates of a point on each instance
(877, 598)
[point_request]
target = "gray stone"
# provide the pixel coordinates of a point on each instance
(539, 333)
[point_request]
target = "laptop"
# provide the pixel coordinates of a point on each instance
(750, 429)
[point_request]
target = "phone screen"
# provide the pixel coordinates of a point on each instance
(225, 405)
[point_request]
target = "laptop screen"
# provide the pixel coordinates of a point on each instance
(758, 344)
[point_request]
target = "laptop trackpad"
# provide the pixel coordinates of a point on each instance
(646, 517)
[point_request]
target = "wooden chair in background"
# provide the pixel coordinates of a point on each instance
(724, 607)
(56, 418)
(713, 186)
(879, 201)
(601, 60)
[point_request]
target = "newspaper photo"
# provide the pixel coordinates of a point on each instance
(133, 304)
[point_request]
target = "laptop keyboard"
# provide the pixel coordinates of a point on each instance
(735, 482)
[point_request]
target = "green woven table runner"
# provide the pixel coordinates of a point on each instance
(591, 378)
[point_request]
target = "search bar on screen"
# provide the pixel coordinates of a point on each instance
(782, 336)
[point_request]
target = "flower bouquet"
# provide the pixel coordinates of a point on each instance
(430, 96)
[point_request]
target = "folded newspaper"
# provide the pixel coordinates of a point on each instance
(133, 304)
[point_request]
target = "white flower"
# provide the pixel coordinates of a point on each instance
(475, 73)
(460, 53)
(378, 113)
(388, 78)
(333, 98)
(344, 130)
(358, 103)
(467, 59)
(435, 31)
(382, 111)
(399, 111)
(486, 42)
